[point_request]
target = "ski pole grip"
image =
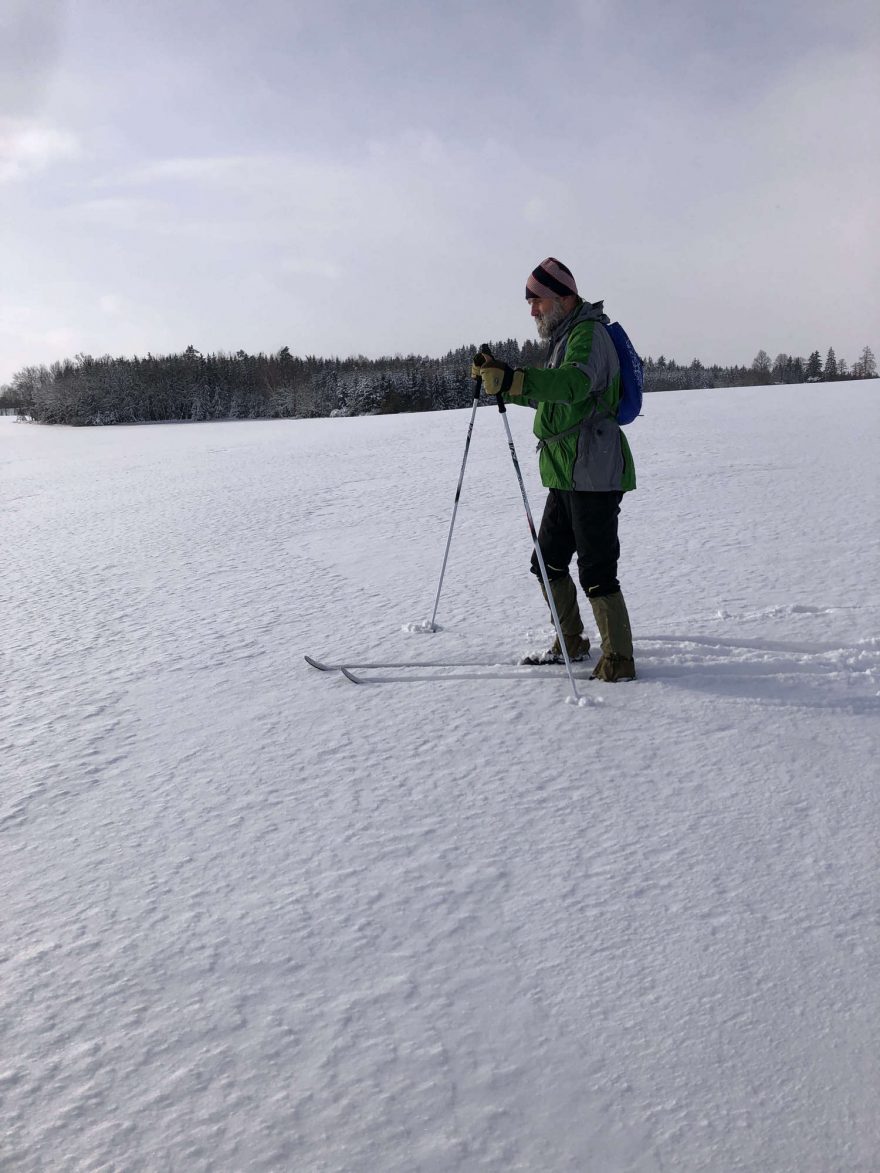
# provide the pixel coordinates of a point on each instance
(479, 361)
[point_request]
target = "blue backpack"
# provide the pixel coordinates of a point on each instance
(632, 375)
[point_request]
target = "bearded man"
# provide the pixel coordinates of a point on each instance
(585, 463)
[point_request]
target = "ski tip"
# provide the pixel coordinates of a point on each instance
(349, 675)
(317, 664)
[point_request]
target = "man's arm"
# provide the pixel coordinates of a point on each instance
(588, 378)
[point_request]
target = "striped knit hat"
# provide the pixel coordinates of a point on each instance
(551, 279)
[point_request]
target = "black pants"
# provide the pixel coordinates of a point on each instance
(585, 523)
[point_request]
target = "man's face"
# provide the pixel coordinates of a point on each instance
(548, 312)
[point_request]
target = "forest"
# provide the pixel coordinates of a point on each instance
(86, 391)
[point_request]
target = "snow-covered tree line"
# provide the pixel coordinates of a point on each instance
(788, 369)
(666, 375)
(193, 386)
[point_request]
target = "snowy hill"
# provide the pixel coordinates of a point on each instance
(259, 918)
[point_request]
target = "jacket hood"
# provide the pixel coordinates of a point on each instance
(589, 312)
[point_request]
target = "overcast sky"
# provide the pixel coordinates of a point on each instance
(380, 177)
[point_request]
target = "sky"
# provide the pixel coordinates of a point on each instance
(380, 178)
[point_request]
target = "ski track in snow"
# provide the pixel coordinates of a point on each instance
(257, 918)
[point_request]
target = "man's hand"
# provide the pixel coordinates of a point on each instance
(498, 377)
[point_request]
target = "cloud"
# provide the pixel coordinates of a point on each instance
(25, 341)
(352, 181)
(111, 305)
(387, 190)
(116, 213)
(31, 35)
(311, 267)
(28, 147)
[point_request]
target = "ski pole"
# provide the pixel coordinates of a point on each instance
(467, 444)
(478, 361)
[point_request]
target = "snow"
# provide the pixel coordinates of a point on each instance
(255, 917)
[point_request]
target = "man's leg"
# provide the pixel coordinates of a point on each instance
(555, 537)
(594, 524)
(557, 542)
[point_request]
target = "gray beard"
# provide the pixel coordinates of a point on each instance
(547, 323)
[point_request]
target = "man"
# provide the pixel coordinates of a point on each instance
(585, 462)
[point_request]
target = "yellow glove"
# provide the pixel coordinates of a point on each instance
(498, 377)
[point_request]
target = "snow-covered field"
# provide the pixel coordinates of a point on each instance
(253, 917)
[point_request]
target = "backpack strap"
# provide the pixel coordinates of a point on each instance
(551, 439)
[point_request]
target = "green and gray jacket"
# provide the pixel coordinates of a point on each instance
(575, 396)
